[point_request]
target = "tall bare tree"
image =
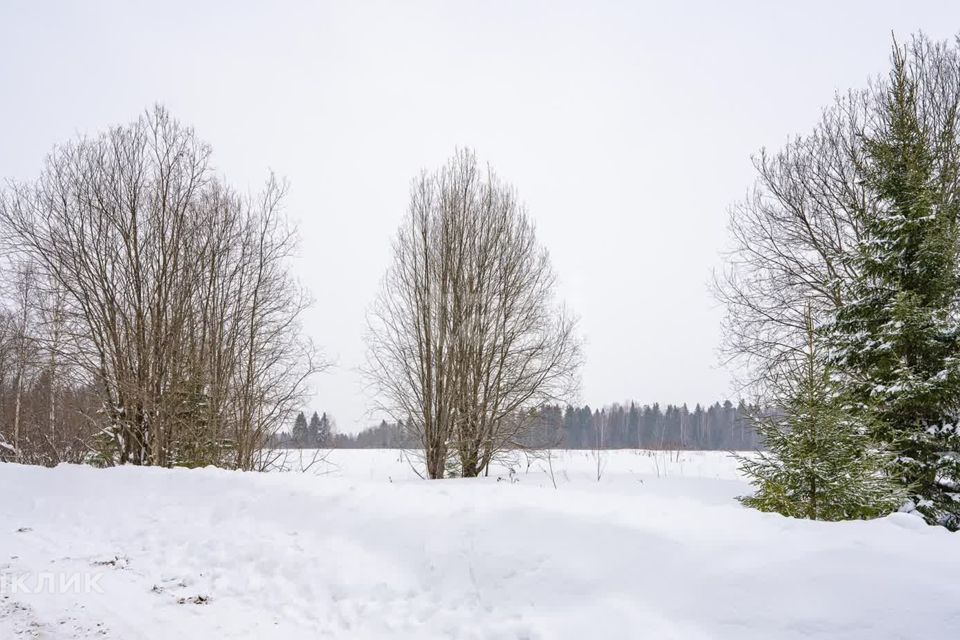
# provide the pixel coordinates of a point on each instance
(466, 339)
(175, 299)
(793, 236)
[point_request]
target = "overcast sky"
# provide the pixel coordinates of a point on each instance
(626, 127)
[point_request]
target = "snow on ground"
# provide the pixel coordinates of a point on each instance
(359, 547)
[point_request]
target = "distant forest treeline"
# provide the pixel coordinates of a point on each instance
(721, 426)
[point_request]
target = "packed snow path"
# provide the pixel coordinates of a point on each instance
(655, 549)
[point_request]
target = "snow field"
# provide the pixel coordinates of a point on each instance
(359, 547)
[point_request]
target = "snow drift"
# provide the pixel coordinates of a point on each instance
(658, 548)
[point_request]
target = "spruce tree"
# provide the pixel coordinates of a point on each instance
(324, 429)
(300, 430)
(821, 463)
(897, 340)
(320, 430)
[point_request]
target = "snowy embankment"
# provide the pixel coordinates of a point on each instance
(657, 548)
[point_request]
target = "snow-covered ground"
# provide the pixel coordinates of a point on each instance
(359, 547)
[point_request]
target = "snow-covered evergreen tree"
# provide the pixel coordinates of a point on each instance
(821, 463)
(319, 430)
(897, 340)
(299, 433)
(324, 430)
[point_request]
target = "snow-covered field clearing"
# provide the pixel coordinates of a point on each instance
(359, 547)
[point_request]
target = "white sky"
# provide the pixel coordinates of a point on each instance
(626, 127)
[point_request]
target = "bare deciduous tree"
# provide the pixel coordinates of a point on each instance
(466, 340)
(41, 398)
(791, 238)
(174, 298)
